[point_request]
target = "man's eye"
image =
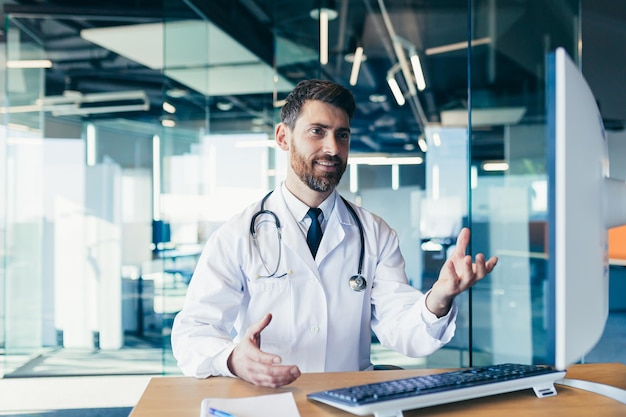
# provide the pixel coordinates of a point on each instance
(344, 136)
(316, 131)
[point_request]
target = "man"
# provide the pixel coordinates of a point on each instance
(266, 308)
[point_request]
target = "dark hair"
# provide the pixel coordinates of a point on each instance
(322, 90)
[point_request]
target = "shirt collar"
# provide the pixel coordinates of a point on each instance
(299, 210)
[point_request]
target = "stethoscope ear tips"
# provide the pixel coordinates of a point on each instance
(358, 283)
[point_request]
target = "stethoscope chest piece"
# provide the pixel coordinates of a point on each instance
(358, 282)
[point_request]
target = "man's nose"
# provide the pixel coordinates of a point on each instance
(331, 144)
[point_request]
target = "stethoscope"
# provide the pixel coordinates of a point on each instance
(357, 282)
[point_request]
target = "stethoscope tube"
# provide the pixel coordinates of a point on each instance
(362, 238)
(357, 282)
(261, 212)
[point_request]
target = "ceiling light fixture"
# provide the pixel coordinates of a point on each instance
(224, 105)
(417, 71)
(377, 98)
(356, 64)
(384, 159)
(76, 103)
(177, 92)
(421, 142)
(495, 166)
(402, 60)
(168, 107)
(456, 46)
(495, 116)
(436, 139)
(393, 85)
(324, 13)
(29, 63)
(416, 65)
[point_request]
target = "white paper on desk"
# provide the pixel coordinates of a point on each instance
(279, 405)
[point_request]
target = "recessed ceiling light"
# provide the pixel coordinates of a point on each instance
(169, 107)
(224, 105)
(328, 7)
(378, 98)
(177, 92)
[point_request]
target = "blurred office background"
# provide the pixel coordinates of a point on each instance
(129, 131)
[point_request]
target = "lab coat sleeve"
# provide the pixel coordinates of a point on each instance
(202, 332)
(400, 318)
(439, 328)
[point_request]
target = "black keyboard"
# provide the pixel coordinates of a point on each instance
(387, 397)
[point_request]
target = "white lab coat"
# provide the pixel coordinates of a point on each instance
(319, 323)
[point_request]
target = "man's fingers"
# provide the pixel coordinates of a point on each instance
(274, 376)
(491, 263)
(260, 325)
(264, 358)
(462, 241)
(253, 333)
(481, 268)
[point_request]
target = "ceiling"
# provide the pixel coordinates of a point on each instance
(118, 46)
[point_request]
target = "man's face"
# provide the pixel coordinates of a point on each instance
(319, 145)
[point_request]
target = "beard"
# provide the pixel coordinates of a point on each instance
(304, 170)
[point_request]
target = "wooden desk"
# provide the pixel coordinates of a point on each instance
(181, 396)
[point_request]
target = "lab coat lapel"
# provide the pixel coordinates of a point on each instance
(334, 233)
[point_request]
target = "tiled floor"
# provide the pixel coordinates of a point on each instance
(612, 345)
(97, 396)
(78, 412)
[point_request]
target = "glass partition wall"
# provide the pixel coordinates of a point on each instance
(104, 212)
(24, 305)
(508, 176)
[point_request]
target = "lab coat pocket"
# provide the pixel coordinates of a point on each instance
(272, 295)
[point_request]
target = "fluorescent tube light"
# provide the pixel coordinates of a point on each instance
(325, 12)
(395, 89)
(168, 107)
(421, 142)
(436, 139)
(395, 176)
(356, 64)
(91, 144)
(456, 46)
(156, 177)
(483, 117)
(417, 71)
(323, 36)
(29, 63)
(72, 103)
(385, 160)
(495, 166)
(354, 178)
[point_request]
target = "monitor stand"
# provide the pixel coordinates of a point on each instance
(615, 393)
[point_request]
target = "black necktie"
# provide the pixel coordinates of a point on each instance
(314, 236)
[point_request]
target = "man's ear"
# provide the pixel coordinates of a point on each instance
(282, 133)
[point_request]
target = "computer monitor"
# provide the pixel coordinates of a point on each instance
(583, 204)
